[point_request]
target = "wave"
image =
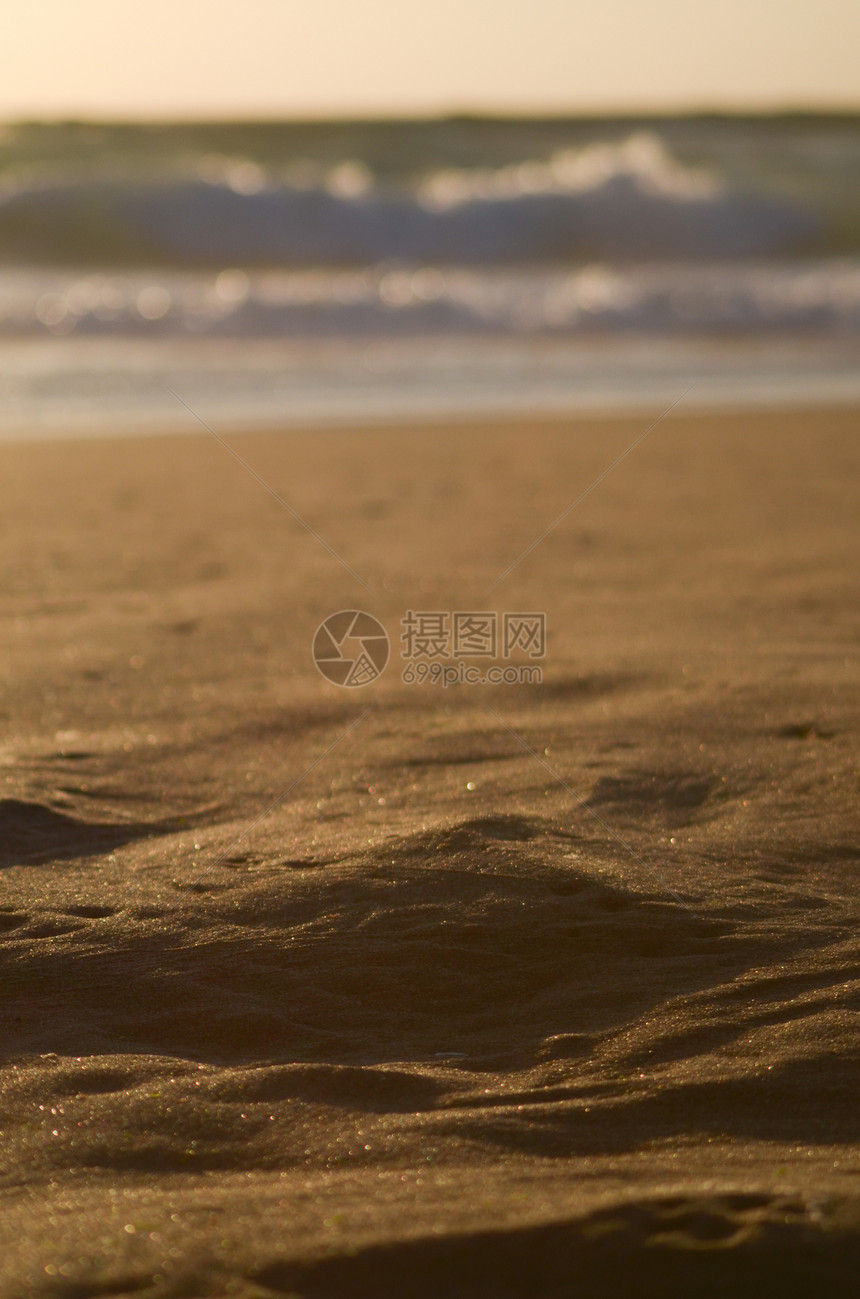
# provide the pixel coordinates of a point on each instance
(664, 297)
(629, 200)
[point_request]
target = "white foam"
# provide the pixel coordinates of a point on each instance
(116, 387)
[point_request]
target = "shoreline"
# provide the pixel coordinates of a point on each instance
(56, 389)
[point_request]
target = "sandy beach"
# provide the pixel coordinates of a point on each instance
(408, 990)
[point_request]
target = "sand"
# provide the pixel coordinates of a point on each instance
(516, 990)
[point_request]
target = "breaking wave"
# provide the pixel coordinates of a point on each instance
(617, 201)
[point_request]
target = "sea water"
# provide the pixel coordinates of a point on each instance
(288, 273)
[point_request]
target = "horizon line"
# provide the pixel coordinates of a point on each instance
(500, 114)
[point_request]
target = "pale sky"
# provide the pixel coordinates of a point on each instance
(270, 58)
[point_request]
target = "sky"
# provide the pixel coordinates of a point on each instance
(317, 58)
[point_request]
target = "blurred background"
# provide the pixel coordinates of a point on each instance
(295, 214)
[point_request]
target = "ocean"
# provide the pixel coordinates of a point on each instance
(284, 273)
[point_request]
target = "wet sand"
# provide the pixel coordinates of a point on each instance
(518, 990)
